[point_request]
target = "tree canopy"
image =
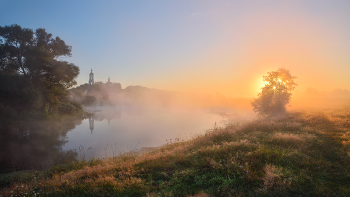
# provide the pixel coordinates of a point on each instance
(34, 58)
(276, 93)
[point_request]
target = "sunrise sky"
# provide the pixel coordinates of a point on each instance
(195, 45)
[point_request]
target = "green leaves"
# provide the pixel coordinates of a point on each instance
(34, 56)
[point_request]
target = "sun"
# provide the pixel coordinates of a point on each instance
(262, 83)
(259, 84)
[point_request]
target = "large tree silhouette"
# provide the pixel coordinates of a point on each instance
(33, 58)
(276, 93)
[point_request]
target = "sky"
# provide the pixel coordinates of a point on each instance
(197, 46)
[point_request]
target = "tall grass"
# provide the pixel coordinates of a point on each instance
(297, 154)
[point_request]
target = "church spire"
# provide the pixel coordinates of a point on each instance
(91, 78)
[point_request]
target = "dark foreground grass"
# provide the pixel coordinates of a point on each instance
(297, 154)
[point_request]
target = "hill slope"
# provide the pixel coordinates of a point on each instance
(298, 154)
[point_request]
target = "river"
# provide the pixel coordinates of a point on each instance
(109, 132)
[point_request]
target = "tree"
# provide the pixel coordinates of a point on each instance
(276, 93)
(35, 58)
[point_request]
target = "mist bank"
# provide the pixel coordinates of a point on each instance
(314, 99)
(112, 94)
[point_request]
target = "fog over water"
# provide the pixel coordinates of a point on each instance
(131, 119)
(115, 129)
(136, 117)
(111, 130)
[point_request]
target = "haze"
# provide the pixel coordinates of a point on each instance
(204, 47)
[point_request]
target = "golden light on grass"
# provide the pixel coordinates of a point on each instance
(233, 155)
(287, 137)
(272, 176)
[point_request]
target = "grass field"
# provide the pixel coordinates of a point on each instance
(296, 154)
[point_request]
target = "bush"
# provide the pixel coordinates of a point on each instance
(76, 105)
(67, 108)
(89, 100)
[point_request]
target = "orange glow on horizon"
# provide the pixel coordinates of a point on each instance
(267, 40)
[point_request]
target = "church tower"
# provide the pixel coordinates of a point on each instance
(91, 123)
(91, 78)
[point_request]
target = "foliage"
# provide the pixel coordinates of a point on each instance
(89, 100)
(30, 68)
(99, 93)
(17, 91)
(67, 108)
(76, 105)
(297, 154)
(276, 93)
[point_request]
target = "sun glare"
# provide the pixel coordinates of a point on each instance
(260, 84)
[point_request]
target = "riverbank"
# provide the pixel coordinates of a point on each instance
(298, 154)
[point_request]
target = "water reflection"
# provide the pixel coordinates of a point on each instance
(113, 130)
(35, 145)
(91, 123)
(109, 132)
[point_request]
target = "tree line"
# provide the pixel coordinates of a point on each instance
(33, 78)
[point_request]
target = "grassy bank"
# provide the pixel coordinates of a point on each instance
(297, 154)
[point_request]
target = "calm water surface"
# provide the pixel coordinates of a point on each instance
(113, 130)
(109, 132)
